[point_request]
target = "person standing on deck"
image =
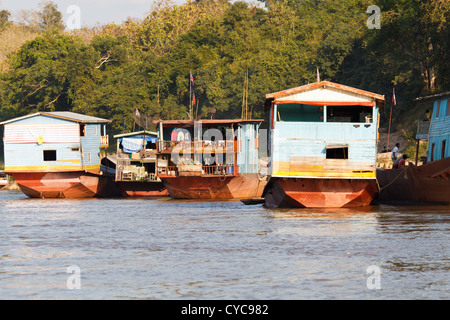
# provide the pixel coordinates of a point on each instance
(395, 151)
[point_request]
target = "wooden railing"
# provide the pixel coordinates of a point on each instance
(211, 170)
(220, 170)
(197, 146)
(104, 141)
(170, 171)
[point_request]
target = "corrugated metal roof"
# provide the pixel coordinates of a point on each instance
(322, 84)
(137, 133)
(67, 115)
(205, 122)
(75, 116)
(434, 96)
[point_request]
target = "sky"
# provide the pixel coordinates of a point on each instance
(91, 12)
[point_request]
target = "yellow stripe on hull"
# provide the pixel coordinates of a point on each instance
(50, 168)
(309, 174)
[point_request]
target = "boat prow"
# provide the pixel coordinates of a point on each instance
(319, 193)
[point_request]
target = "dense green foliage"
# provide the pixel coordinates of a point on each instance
(113, 70)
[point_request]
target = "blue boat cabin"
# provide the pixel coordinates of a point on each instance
(54, 141)
(323, 130)
(439, 139)
(435, 126)
(136, 156)
(207, 147)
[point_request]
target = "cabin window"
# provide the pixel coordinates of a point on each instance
(443, 149)
(150, 145)
(82, 130)
(349, 114)
(438, 107)
(337, 152)
(299, 113)
(49, 155)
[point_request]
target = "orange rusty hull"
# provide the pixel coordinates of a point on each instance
(203, 187)
(319, 193)
(73, 184)
(150, 189)
(429, 183)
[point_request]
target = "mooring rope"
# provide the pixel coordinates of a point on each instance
(401, 172)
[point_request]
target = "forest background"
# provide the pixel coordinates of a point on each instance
(237, 52)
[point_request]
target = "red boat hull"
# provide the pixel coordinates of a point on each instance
(429, 183)
(201, 187)
(73, 184)
(319, 193)
(152, 189)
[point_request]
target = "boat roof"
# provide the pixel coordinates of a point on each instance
(136, 133)
(434, 96)
(211, 122)
(66, 115)
(322, 84)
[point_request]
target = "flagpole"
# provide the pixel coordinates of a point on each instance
(190, 95)
(389, 130)
(390, 117)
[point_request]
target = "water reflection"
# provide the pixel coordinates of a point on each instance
(165, 249)
(328, 213)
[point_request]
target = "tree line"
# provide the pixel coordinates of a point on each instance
(236, 52)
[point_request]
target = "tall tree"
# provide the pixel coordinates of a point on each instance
(49, 16)
(418, 32)
(4, 17)
(43, 73)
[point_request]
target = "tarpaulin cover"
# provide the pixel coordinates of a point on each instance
(135, 144)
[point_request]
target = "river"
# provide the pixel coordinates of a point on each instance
(171, 249)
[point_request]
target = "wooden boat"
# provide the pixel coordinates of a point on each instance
(136, 165)
(323, 142)
(57, 155)
(429, 182)
(319, 193)
(144, 189)
(240, 186)
(196, 161)
(70, 184)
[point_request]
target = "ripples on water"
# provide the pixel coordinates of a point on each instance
(171, 249)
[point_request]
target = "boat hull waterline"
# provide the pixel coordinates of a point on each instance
(73, 184)
(149, 189)
(319, 193)
(248, 185)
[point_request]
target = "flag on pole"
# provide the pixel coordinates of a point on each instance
(394, 101)
(193, 97)
(191, 78)
(137, 113)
